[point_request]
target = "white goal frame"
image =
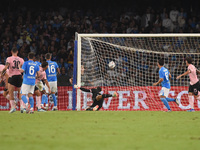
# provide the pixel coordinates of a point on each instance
(78, 42)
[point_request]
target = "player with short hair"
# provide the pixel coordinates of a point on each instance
(164, 76)
(39, 84)
(30, 69)
(51, 73)
(194, 87)
(97, 97)
(37, 60)
(13, 63)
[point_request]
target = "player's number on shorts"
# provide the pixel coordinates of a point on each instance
(16, 64)
(31, 70)
(52, 69)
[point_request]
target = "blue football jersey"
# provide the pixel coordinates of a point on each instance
(51, 72)
(30, 68)
(38, 63)
(164, 73)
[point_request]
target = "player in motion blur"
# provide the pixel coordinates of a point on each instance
(97, 97)
(39, 84)
(194, 87)
(13, 64)
(51, 74)
(4, 79)
(164, 76)
(30, 69)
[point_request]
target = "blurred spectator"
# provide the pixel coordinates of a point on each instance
(63, 78)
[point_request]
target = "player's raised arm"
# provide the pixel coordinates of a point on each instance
(99, 97)
(82, 89)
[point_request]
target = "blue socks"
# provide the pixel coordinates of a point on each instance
(44, 99)
(170, 99)
(24, 99)
(54, 99)
(164, 100)
(31, 101)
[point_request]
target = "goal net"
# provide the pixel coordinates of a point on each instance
(135, 57)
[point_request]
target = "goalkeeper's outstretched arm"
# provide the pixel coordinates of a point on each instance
(82, 89)
(99, 97)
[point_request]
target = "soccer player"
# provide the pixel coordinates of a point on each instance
(39, 84)
(4, 79)
(51, 73)
(164, 76)
(37, 60)
(30, 69)
(97, 97)
(194, 87)
(13, 64)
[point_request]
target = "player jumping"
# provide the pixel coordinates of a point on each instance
(194, 87)
(164, 76)
(97, 97)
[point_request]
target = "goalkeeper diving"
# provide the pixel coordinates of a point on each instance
(97, 97)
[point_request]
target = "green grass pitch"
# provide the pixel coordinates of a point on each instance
(105, 130)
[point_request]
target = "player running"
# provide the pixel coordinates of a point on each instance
(97, 97)
(164, 76)
(39, 84)
(194, 87)
(30, 69)
(51, 73)
(13, 64)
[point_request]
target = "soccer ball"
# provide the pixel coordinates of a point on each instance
(111, 64)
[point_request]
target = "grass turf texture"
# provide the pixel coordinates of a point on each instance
(106, 130)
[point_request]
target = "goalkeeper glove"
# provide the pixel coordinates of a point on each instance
(115, 94)
(76, 86)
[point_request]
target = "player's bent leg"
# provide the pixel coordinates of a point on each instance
(165, 102)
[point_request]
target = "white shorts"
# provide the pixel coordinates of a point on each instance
(53, 87)
(40, 86)
(164, 92)
(26, 89)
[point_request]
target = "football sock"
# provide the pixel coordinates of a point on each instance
(46, 99)
(38, 100)
(12, 104)
(165, 103)
(21, 104)
(54, 99)
(191, 101)
(24, 99)
(170, 99)
(31, 101)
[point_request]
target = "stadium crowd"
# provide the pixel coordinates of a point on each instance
(52, 30)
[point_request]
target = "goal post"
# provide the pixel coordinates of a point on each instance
(135, 56)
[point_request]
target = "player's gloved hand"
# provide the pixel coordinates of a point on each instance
(115, 94)
(76, 86)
